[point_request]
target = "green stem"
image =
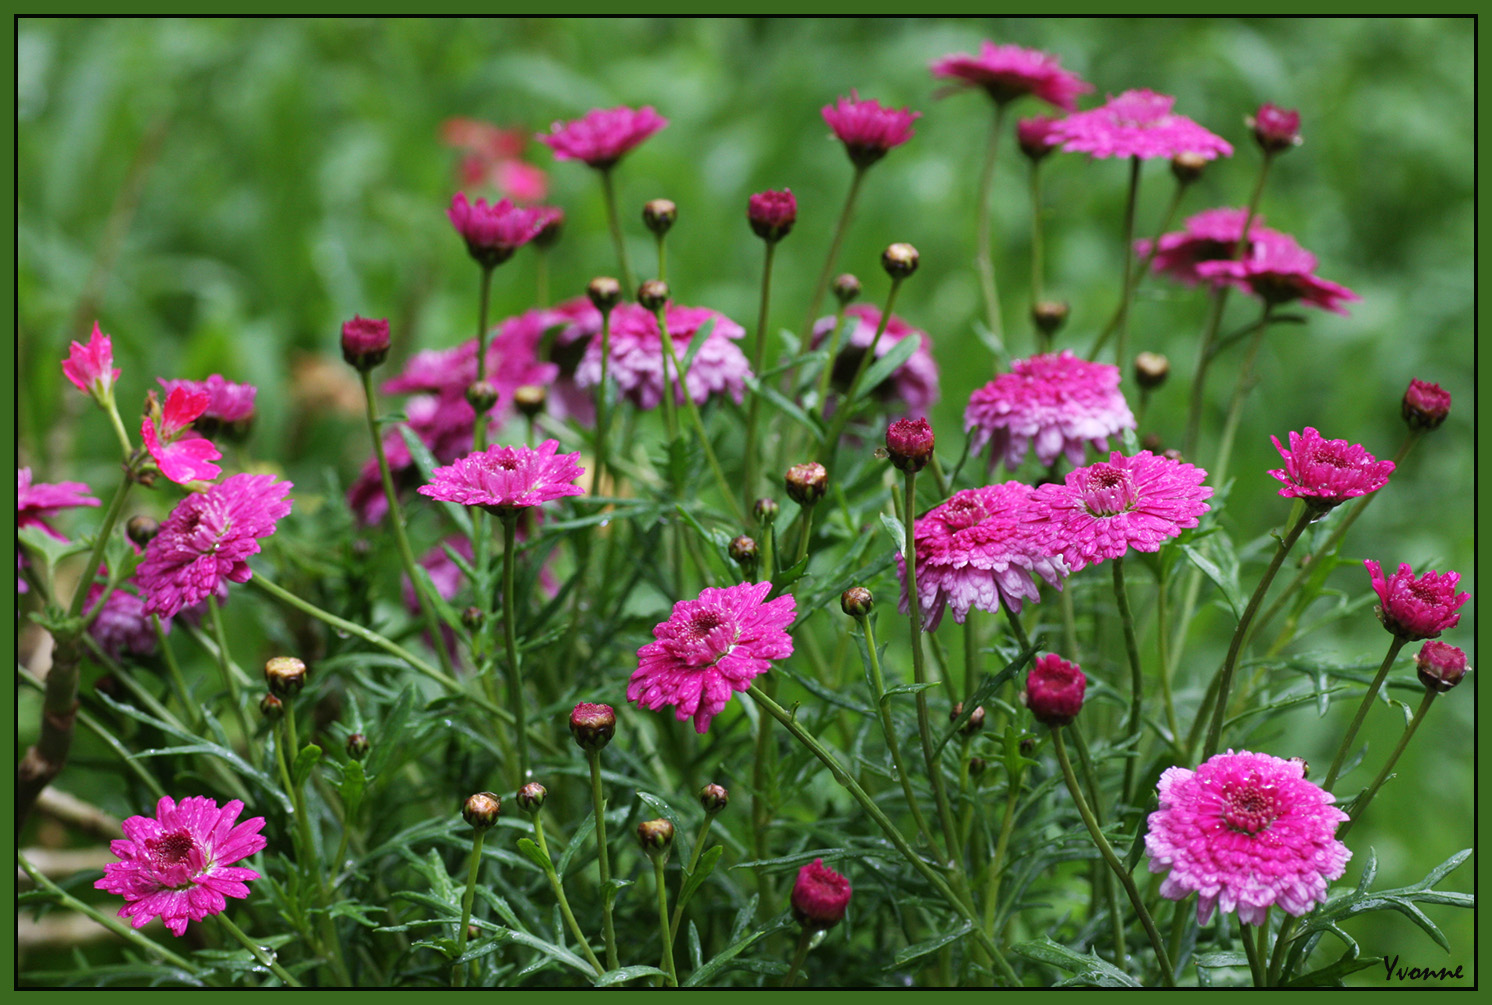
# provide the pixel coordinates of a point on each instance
(484, 298)
(883, 707)
(1363, 800)
(662, 260)
(1111, 896)
(847, 402)
(699, 426)
(124, 441)
(822, 286)
(96, 557)
(510, 641)
(1362, 711)
(665, 933)
(603, 857)
(997, 864)
(800, 956)
(1219, 473)
(173, 671)
(614, 222)
(1038, 258)
(761, 801)
(1161, 656)
(603, 400)
(699, 846)
(105, 734)
(459, 970)
(1104, 849)
(1144, 267)
(1136, 680)
(235, 697)
(1121, 315)
(558, 886)
(827, 372)
(259, 954)
(983, 256)
(758, 361)
(1256, 963)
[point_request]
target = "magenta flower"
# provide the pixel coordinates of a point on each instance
(867, 129)
(493, 156)
(638, 360)
(1054, 690)
(181, 457)
(820, 896)
(1138, 124)
(1104, 510)
(122, 627)
(1211, 235)
(1416, 607)
(91, 367)
(493, 233)
(503, 480)
(602, 135)
(228, 404)
(1275, 129)
(207, 541)
(1007, 72)
(178, 865)
(982, 548)
(1278, 270)
(1425, 405)
(1440, 666)
(1326, 473)
(365, 341)
(36, 501)
(772, 214)
(1058, 403)
(911, 387)
(1245, 832)
(1037, 136)
(710, 647)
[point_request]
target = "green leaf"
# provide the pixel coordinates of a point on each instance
(696, 343)
(921, 949)
(1089, 970)
(1331, 976)
(425, 461)
(48, 548)
(305, 762)
(886, 365)
(354, 784)
(1216, 960)
(986, 690)
(788, 408)
(1403, 900)
(912, 688)
(787, 577)
(535, 855)
(707, 863)
(898, 532)
(580, 839)
(707, 973)
(1226, 579)
(624, 974)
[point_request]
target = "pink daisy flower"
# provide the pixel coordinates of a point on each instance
(122, 627)
(1007, 72)
(638, 360)
(602, 135)
(1245, 832)
(492, 233)
(867, 129)
(91, 367)
(178, 865)
(1105, 509)
(503, 479)
(208, 539)
(1278, 270)
(38, 500)
(1416, 607)
(983, 548)
(1326, 473)
(1211, 235)
(710, 647)
(1138, 123)
(912, 387)
(228, 404)
(1425, 405)
(181, 457)
(1058, 403)
(1037, 136)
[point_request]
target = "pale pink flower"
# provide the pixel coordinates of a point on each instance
(1416, 607)
(638, 359)
(91, 367)
(207, 541)
(504, 479)
(1245, 832)
(1278, 270)
(1007, 72)
(867, 129)
(1105, 509)
(1326, 473)
(983, 548)
(182, 457)
(1138, 123)
(1057, 403)
(602, 135)
(178, 865)
(710, 647)
(494, 156)
(911, 387)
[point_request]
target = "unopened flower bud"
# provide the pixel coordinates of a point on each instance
(1425, 405)
(1275, 129)
(1187, 167)
(744, 553)
(1440, 666)
(765, 511)
(1171, 454)
(655, 836)
(1151, 370)
(772, 214)
(141, 529)
(1054, 690)
(271, 707)
(653, 294)
(806, 483)
(910, 443)
(285, 675)
(846, 288)
(529, 399)
(473, 618)
(976, 718)
(481, 810)
(1305, 767)
(593, 726)
(713, 798)
(899, 260)
(481, 395)
(357, 746)
(605, 293)
(857, 601)
(1027, 745)
(365, 341)
(1049, 316)
(531, 798)
(820, 896)
(1037, 137)
(977, 765)
(660, 215)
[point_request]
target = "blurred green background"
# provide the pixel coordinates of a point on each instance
(221, 194)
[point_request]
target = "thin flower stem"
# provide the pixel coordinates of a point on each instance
(662, 260)
(1120, 324)
(758, 361)
(124, 441)
(1111, 895)
(484, 298)
(603, 403)
(510, 641)
(1247, 936)
(827, 373)
(1038, 257)
(105, 531)
(558, 886)
(887, 727)
(1136, 680)
(800, 956)
(189, 705)
(603, 857)
(1361, 805)
(91, 724)
(983, 256)
(699, 426)
(614, 222)
(807, 533)
(762, 764)
(1144, 267)
(1107, 852)
(822, 286)
(847, 402)
(873, 810)
(259, 954)
(235, 697)
(459, 970)
(997, 864)
(1162, 658)
(1279, 967)
(1362, 712)
(1241, 632)
(699, 847)
(1246, 380)
(665, 933)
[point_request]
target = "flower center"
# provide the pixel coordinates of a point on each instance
(1249, 810)
(171, 848)
(962, 513)
(507, 463)
(702, 623)
(1108, 491)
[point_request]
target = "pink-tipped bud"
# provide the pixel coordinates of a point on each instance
(846, 288)
(772, 214)
(655, 836)
(358, 746)
(605, 293)
(660, 215)
(976, 718)
(1440, 666)
(1275, 129)
(1037, 136)
(531, 797)
(481, 810)
(271, 708)
(713, 798)
(910, 443)
(365, 341)
(765, 511)
(285, 675)
(857, 601)
(743, 552)
(820, 896)
(1054, 690)
(1425, 405)
(593, 726)
(653, 294)
(900, 260)
(807, 483)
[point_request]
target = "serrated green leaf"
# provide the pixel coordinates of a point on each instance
(1348, 963)
(886, 365)
(305, 763)
(1090, 970)
(921, 949)
(787, 577)
(705, 974)
(1225, 579)
(1402, 899)
(707, 863)
(624, 974)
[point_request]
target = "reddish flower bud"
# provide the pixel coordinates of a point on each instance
(481, 810)
(141, 529)
(1275, 129)
(772, 214)
(976, 718)
(765, 511)
(1049, 316)
(605, 293)
(807, 483)
(820, 896)
(472, 618)
(531, 797)
(357, 746)
(1425, 405)
(1036, 136)
(365, 341)
(1187, 167)
(660, 215)
(481, 395)
(285, 676)
(910, 443)
(857, 601)
(743, 552)
(1440, 666)
(713, 798)
(1151, 370)
(593, 726)
(655, 836)
(1054, 690)
(653, 294)
(271, 707)
(899, 260)
(846, 288)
